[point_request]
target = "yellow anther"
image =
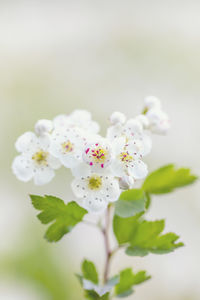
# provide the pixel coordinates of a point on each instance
(95, 182)
(40, 157)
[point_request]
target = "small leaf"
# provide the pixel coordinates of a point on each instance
(130, 203)
(64, 216)
(167, 178)
(89, 271)
(127, 281)
(143, 237)
(92, 295)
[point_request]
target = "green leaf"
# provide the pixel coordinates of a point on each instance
(130, 203)
(89, 271)
(127, 281)
(143, 237)
(64, 216)
(167, 178)
(92, 295)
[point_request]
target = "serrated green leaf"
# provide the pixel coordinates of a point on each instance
(64, 216)
(89, 271)
(143, 237)
(130, 203)
(127, 281)
(124, 229)
(166, 179)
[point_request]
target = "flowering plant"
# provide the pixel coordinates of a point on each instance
(106, 171)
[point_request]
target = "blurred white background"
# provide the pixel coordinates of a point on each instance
(57, 56)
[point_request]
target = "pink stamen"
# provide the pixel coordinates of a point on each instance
(102, 165)
(91, 164)
(88, 149)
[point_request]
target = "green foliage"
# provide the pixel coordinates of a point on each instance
(92, 295)
(143, 236)
(127, 281)
(166, 179)
(130, 203)
(64, 216)
(89, 271)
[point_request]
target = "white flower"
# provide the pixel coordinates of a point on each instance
(78, 118)
(128, 160)
(143, 121)
(132, 130)
(35, 161)
(158, 121)
(43, 127)
(152, 102)
(98, 155)
(96, 191)
(117, 118)
(67, 145)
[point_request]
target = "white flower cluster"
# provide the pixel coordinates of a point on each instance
(101, 166)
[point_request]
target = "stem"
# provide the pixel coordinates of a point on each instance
(107, 245)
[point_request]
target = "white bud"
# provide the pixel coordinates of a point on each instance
(117, 118)
(159, 121)
(43, 127)
(126, 182)
(143, 120)
(152, 102)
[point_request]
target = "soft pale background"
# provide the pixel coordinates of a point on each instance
(56, 56)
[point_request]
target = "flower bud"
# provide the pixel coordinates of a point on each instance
(152, 102)
(143, 121)
(126, 182)
(117, 118)
(43, 127)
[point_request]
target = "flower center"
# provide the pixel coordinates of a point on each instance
(126, 157)
(68, 147)
(99, 154)
(95, 182)
(40, 157)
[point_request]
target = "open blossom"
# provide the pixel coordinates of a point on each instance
(98, 155)
(128, 160)
(132, 130)
(78, 118)
(67, 145)
(35, 161)
(96, 191)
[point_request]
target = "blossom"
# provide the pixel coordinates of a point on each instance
(78, 118)
(67, 145)
(128, 160)
(96, 191)
(98, 155)
(35, 161)
(117, 118)
(158, 121)
(43, 127)
(132, 130)
(152, 102)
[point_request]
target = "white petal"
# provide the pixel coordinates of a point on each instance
(118, 144)
(138, 169)
(117, 168)
(69, 160)
(43, 175)
(22, 168)
(53, 162)
(79, 187)
(80, 115)
(81, 170)
(126, 182)
(26, 142)
(147, 144)
(110, 189)
(94, 203)
(114, 131)
(152, 102)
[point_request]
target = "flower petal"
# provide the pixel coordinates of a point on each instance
(22, 168)
(79, 187)
(138, 169)
(26, 142)
(43, 175)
